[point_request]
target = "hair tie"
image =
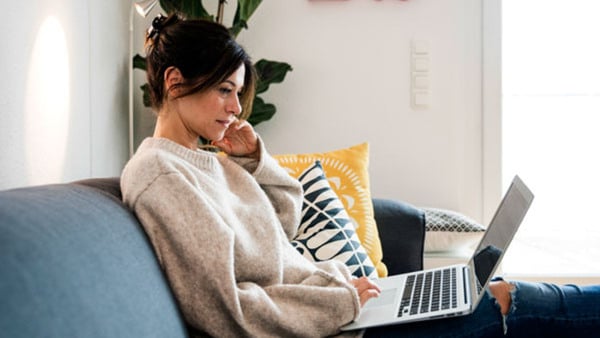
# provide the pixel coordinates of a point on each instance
(157, 25)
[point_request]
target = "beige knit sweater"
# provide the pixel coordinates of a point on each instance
(220, 227)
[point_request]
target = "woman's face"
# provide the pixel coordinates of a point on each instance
(209, 113)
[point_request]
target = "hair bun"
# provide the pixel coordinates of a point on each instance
(156, 26)
(159, 23)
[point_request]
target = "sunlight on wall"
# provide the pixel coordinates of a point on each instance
(47, 104)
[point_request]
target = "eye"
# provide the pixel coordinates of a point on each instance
(225, 90)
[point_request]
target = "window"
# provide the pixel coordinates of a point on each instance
(551, 132)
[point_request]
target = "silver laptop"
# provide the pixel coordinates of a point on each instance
(453, 290)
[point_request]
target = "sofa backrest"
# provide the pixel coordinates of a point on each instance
(75, 263)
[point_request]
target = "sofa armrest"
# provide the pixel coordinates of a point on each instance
(401, 229)
(75, 262)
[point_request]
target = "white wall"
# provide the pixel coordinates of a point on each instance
(350, 84)
(63, 101)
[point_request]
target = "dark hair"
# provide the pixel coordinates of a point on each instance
(205, 53)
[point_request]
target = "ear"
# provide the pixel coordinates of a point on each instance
(173, 78)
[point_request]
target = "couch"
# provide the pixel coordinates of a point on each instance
(74, 262)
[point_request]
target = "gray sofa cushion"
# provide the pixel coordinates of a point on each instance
(75, 263)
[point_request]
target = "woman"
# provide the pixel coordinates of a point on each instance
(220, 223)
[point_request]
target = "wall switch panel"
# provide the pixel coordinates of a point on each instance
(420, 74)
(420, 64)
(420, 99)
(420, 47)
(420, 81)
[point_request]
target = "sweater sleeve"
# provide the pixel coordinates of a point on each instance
(196, 249)
(284, 191)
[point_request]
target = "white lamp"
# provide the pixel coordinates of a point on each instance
(144, 7)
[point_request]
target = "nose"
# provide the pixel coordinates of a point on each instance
(234, 106)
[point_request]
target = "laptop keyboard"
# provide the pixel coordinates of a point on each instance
(429, 291)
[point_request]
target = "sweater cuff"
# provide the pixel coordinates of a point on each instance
(248, 163)
(352, 292)
(339, 273)
(263, 169)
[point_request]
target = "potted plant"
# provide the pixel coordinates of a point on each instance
(268, 71)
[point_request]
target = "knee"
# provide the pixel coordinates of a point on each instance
(501, 290)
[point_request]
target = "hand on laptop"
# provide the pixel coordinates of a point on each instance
(366, 289)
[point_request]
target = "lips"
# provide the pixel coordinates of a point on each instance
(225, 123)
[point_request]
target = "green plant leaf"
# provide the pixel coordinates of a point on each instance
(139, 62)
(270, 72)
(261, 111)
(146, 98)
(244, 11)
(190, 9)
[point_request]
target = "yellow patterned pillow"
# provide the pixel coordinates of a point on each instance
(348, 173)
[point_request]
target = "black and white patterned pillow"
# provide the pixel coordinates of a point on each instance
(448, 230)
(326, 231)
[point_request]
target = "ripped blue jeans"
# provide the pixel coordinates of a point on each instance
(537, 310)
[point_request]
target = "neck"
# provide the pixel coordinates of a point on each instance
(169, 126)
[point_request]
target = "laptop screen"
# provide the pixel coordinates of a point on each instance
(500, 233)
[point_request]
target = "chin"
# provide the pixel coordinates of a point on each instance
(218, 138)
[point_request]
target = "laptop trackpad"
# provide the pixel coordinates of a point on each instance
(386, 297)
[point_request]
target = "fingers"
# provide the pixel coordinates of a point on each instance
(223, 144)
(239, 124)
(239, 139)
(366, 289)
(241, 129)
